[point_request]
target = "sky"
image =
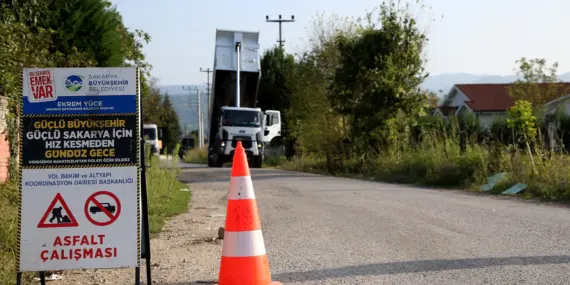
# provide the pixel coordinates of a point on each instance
(472, 36)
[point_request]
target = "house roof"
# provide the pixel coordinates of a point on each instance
(494, 97)
(487, 97)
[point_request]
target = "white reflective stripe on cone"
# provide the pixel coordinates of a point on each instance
(241, 188)
(243, 244)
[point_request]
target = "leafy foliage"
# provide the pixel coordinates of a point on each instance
(170, 125)
(537, 82)
(158, 109)
(276, 86)
(522, 119)
(379, 73)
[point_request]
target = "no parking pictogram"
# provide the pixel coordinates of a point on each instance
(102, 208)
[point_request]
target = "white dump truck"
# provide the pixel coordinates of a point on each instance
(233, 113)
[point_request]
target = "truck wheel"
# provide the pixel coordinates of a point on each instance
(215, 160)
(210, 160)
(219, 161)
(257, 161)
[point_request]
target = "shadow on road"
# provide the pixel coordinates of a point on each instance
(216, 175)
(419, 266)
(410, 267)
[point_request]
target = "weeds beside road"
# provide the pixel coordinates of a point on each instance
(440, 163)
(197, 156)
(8, 231)
(443, 165)
(166, 197)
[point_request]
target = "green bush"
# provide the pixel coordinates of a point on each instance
(439, 161)
(274, 161)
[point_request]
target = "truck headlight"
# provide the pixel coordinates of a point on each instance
(259, 145)
(223, 144)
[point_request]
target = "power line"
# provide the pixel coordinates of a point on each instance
(280, 21)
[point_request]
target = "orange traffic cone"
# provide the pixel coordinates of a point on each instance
(244, 260)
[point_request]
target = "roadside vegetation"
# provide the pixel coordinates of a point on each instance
(352, 106)
(167, 196)
(59, 34)
(8, 230)
(197, 155)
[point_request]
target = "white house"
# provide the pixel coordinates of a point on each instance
(487, 101)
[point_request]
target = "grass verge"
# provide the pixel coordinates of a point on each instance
(8, 231)
(443, 165)
(197, 156)
(165, 199)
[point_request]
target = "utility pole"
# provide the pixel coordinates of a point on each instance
(208, 71)
(200, 121)
(280, 21)
(208, 89)
(238, 75)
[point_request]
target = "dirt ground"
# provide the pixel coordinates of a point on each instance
(185, 252)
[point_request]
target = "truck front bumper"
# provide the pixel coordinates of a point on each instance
(251, 148)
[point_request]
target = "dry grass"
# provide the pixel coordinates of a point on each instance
(441, 164)
(197, 155)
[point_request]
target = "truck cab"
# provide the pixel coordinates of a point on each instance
(252, 127)
(152, 135)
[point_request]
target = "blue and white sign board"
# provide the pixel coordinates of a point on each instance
(65, 91)
(80, 158)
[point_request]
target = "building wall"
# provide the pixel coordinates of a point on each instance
(487, 119)
(459, 98)
(4, 143)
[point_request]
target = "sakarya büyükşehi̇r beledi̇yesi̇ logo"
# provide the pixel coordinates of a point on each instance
(74, 83)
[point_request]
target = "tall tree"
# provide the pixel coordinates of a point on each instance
(379, 73)
(170, 125)
(538, 83)
(88, 25)
(276, 88)
(316, 127)
(152, 104)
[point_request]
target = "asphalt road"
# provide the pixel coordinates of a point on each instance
(326, 230)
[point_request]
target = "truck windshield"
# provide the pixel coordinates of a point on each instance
(241, 118)
(150, 134)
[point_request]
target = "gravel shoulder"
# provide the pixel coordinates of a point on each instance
(185, 251)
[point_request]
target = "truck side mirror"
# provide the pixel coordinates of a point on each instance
(159, 133)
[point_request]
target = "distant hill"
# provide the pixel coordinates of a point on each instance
(185, 104)
(447, 80)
